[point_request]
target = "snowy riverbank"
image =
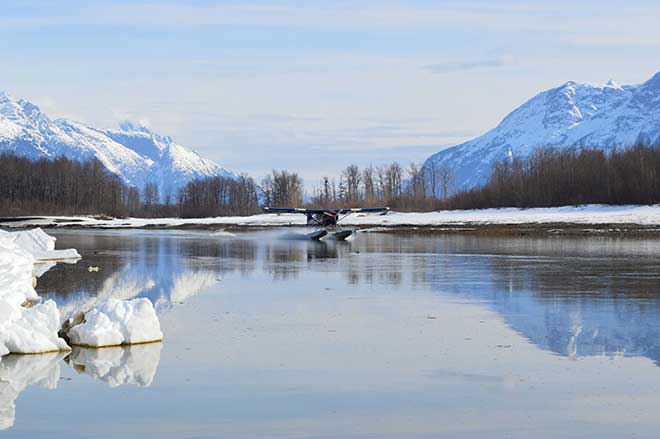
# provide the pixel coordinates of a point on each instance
(579, 215)
(30, 326)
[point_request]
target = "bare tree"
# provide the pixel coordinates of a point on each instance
(352, 177)
(417, 182)
(447, 181)
(369, 185)
(394, 179)
(283, 188)
(219, 196)
(61, 186)
(151, 196)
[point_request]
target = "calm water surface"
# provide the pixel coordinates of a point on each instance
(390, 336)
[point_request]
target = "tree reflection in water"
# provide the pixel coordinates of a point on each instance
(571, 296)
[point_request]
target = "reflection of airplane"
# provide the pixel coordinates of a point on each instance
(327, 220)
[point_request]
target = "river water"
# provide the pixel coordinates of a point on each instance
(387, 336)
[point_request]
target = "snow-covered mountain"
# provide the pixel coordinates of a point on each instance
(570, 116)
(135, 153)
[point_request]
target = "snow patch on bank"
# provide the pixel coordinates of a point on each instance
(584, 214)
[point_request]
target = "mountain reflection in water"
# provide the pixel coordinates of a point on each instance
(573, 297)
(266, 315)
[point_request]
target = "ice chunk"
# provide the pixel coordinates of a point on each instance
(16, 267)
(30, 330)
(35, 240)
(41, 268)
(117, 322)
(25, 328)
(40, 245)
(119, 365)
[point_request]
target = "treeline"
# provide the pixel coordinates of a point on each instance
(411, 188)
(68, 187)
(218, 196)
(553, 177)
(548, 177)
(62, 187)
(283, 188)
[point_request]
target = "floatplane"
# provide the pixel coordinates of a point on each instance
(327, 220)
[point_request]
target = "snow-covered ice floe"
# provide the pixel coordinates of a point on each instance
(26, 326)
(40, 245)
(30, 330)
(29, 326)
(116, 322)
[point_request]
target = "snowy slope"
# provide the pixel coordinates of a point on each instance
(569, 116)
(135, 153)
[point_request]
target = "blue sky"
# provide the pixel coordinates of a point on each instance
(312, 86)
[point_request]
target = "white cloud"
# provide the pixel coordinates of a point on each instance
(450, 67)
(288, 79)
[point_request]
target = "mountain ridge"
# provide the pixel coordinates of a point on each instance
(134, 152)
(572, 115)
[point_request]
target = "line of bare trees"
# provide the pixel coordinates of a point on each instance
(283, 188)
(62, 186)
(548, 177)
(68, 187)
(416, 187)
(218, 196)
(554, 177)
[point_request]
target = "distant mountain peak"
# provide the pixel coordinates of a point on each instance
(572, 115)
(143, 127)
(654, 81)
(5, 96)
(140, 126)
(613, 84)
(135, 152)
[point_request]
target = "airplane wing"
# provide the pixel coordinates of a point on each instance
(341, 211)
(295, 210)
(365, 209)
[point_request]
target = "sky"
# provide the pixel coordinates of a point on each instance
(312, 86)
